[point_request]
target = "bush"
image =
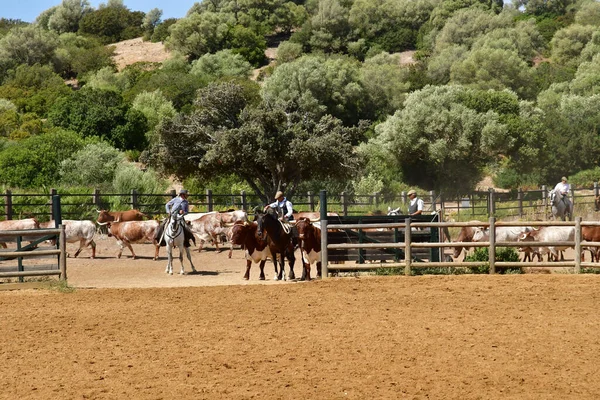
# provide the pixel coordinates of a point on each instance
(507, 254)
(94, 165)
(586, 178)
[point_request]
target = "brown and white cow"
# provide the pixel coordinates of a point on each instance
(310, 246)
(591, 234)
(105, 216)
(257, 250)
(77, 231)
(17, 225)
(134, 232)
(466, 234)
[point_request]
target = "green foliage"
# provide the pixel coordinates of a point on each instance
(107, 79)
(320, 85)
(151, 21)
(247, 44)
(35, 161)
(506, 254)
(568, 43)
(112, 24)
(222, 64)
(65, 17)
(26, 45)
(102, 114)
(585, 178)
(438, 143)
(288, 51)
(154, 106)
(77, 55)
(161, 31)
(129, 177)
(93, 165)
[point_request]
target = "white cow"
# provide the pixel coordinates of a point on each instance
(18, 225)
(550, 234)
(77, 231)
(212, 226)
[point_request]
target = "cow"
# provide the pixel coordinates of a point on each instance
(591, 234)
(76, 231)
(313, 216)
(189, 217)
(550, 234)
(310, 246)
(17, 225)
(212, 226)
(507, 234)
(104, 216)
(134, 232)
(257, 249)
(465, 235)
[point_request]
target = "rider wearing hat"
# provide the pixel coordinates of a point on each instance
(415, 207)
(283, 204)
(562, 187)
(177, 205)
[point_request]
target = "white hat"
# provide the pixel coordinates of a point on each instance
(412, 191)
(278, 194)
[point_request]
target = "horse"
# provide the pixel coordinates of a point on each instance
(561, 205)
(281, 238)
(174, 236)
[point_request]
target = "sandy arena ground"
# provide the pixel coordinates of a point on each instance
(142, 335)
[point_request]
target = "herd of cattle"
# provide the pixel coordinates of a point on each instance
(132, 226)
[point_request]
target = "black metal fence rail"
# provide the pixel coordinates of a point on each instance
(532, 204)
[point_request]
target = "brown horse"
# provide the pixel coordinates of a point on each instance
(281, 239)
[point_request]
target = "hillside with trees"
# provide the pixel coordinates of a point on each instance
(508, 90)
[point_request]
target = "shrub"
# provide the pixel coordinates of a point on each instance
(507, 254)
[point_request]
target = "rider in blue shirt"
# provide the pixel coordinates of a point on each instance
(177, 205)
(281, 203)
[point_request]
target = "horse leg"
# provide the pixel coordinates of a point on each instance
(262, 270)
(189, 257)
(169, 269)
(276, 278)
(248, 266)
(319, 274)
(291, 260)
(182, 271)
(281, 265)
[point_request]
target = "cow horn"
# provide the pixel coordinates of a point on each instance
(101, 223)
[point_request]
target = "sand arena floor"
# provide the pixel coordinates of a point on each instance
(141, 334)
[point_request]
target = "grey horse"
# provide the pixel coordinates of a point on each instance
(561, 206)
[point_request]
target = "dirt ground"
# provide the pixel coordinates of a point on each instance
(442, 337)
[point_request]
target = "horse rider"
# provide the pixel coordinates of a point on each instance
(415, 207)
(177, 205)
(563, 188)
(283, 204)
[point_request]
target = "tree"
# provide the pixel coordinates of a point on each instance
(151, 21)
(112, 23)
(278, 148)
(568, 43)
(588, 14)
(77, 55)
(93, 165)
(437, 142)
(495, 69)
(26, 45)
(66, 17)
(222, 64)
(34, 162)
(102, 114)
(161, 31)
(155, 107)
(320, 85)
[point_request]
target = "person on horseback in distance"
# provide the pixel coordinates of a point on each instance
(563, 188)
(283, 204)
(177, 205)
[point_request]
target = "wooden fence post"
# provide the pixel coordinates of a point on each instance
(545, 201)
(404, 197)
(577, 245)
(407, 249)
(492, 199)
(8, 210)
(209, 199)
(134, 199)
(520, 200)
(344, 200)
(52, 194)
(96, 198)
(492, 252)
(432, 196)
(376, 197)
(244, 200)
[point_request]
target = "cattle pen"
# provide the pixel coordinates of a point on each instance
(409, 247)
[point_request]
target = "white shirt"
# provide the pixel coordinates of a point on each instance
(562, 187)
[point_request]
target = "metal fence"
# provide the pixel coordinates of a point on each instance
(532, 204)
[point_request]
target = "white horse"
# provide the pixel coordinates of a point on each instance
(561, 205)
(175, 237)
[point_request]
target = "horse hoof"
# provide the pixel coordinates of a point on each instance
(262, 278)
(276, 278)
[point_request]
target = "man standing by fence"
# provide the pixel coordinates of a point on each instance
(415, 207)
